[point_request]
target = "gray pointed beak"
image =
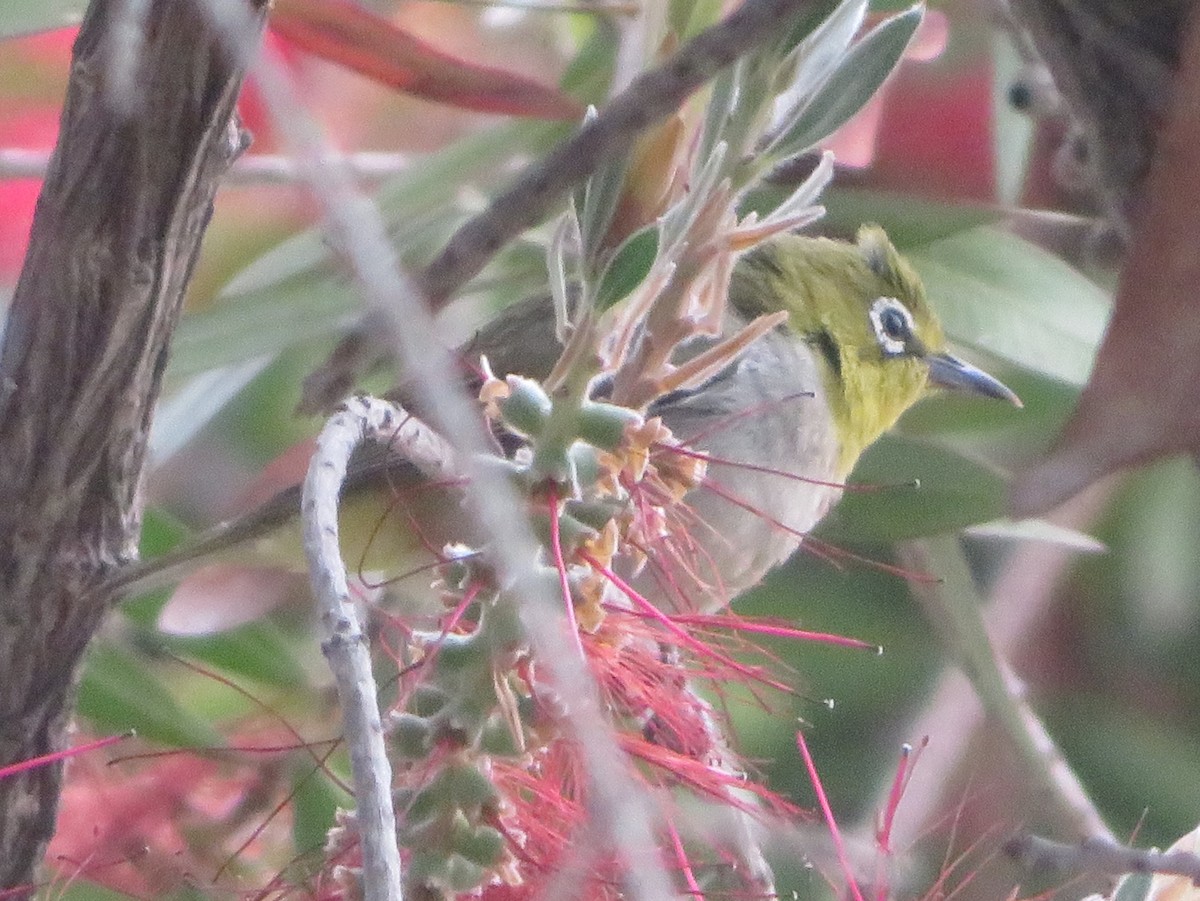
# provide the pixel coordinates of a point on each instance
(947, 371)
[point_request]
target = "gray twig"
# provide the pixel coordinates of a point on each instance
(1100, 857)
(344, 644)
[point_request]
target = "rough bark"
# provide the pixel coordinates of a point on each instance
(1114, 62)
(1130, 73)
(117, 230)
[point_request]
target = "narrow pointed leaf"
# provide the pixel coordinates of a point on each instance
(856, 79)
(119, 691)
(629, 266)
(345, 33)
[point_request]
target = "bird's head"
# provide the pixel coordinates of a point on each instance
(862, 311)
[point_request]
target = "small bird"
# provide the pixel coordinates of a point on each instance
(781, 426)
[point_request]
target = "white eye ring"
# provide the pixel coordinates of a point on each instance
(893, 325)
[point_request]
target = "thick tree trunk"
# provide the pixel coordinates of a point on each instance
(117, 230)
(1113, 61)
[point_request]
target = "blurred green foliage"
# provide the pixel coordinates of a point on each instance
(1116, 674)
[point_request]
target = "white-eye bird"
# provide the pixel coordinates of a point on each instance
(782, 425)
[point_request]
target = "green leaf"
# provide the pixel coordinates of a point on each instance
(189, 409)
(1001, 293)
(687, 18)
(910, 222)
(259, 325)
(120, 691)
(160, 532)
(628, 267)
(21, 17)
(295, 291)
(315, 801)
(997, 430)
(294, 257)
(1133, 759)
(857, 77)
(1133, 887)
(819, 54)
(935, 490)
(259, 650)
(78, 888)
(589, 75)
(600, 196)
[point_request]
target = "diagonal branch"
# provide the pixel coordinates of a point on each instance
(648, 100)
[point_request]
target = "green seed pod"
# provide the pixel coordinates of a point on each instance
(462, 875)
(603, 425)
(428, 700)
(411, 735)
(464, 787)
(431, 869)
(572, 531)
(552, 462)
(497, 738)
(481, 845)
(594, 514)
(527, 408)
(457, 652)
(585, 463)
(501, 623)
(457, 571)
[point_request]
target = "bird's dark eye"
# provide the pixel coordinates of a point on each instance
(893, 325)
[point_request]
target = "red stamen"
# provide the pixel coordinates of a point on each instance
(46, 759)
(685, 865)
(832, 551)
(275, 811)
(771, 628)
(827, 811)
(727, 421)
(883, 834)
(417, 570)
(817, 546)
(681, 634)
(853, 487)
(413, 525)
(561, 566)
(468, 598)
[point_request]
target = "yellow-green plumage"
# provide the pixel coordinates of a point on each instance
(784, 423)
(827, 287)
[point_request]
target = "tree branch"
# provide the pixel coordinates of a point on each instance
(649, 99)
(118, 227)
